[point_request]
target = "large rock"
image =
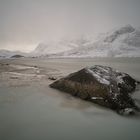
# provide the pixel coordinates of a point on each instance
(102, 85)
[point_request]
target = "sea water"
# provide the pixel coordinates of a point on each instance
(37, 112)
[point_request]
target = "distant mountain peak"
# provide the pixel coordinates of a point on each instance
(121, 31)
(127, 28)
(40, 47)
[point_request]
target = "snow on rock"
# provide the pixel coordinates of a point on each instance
(127, 111)
(112, 78)
(97, 98)
(101, 73)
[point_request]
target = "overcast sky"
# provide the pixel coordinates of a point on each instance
(25, 23)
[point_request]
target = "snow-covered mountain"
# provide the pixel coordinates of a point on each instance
(58, 47)
(123, 42)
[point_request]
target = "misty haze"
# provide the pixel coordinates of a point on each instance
(69, 69)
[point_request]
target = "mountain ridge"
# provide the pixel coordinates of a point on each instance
(120, 42)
